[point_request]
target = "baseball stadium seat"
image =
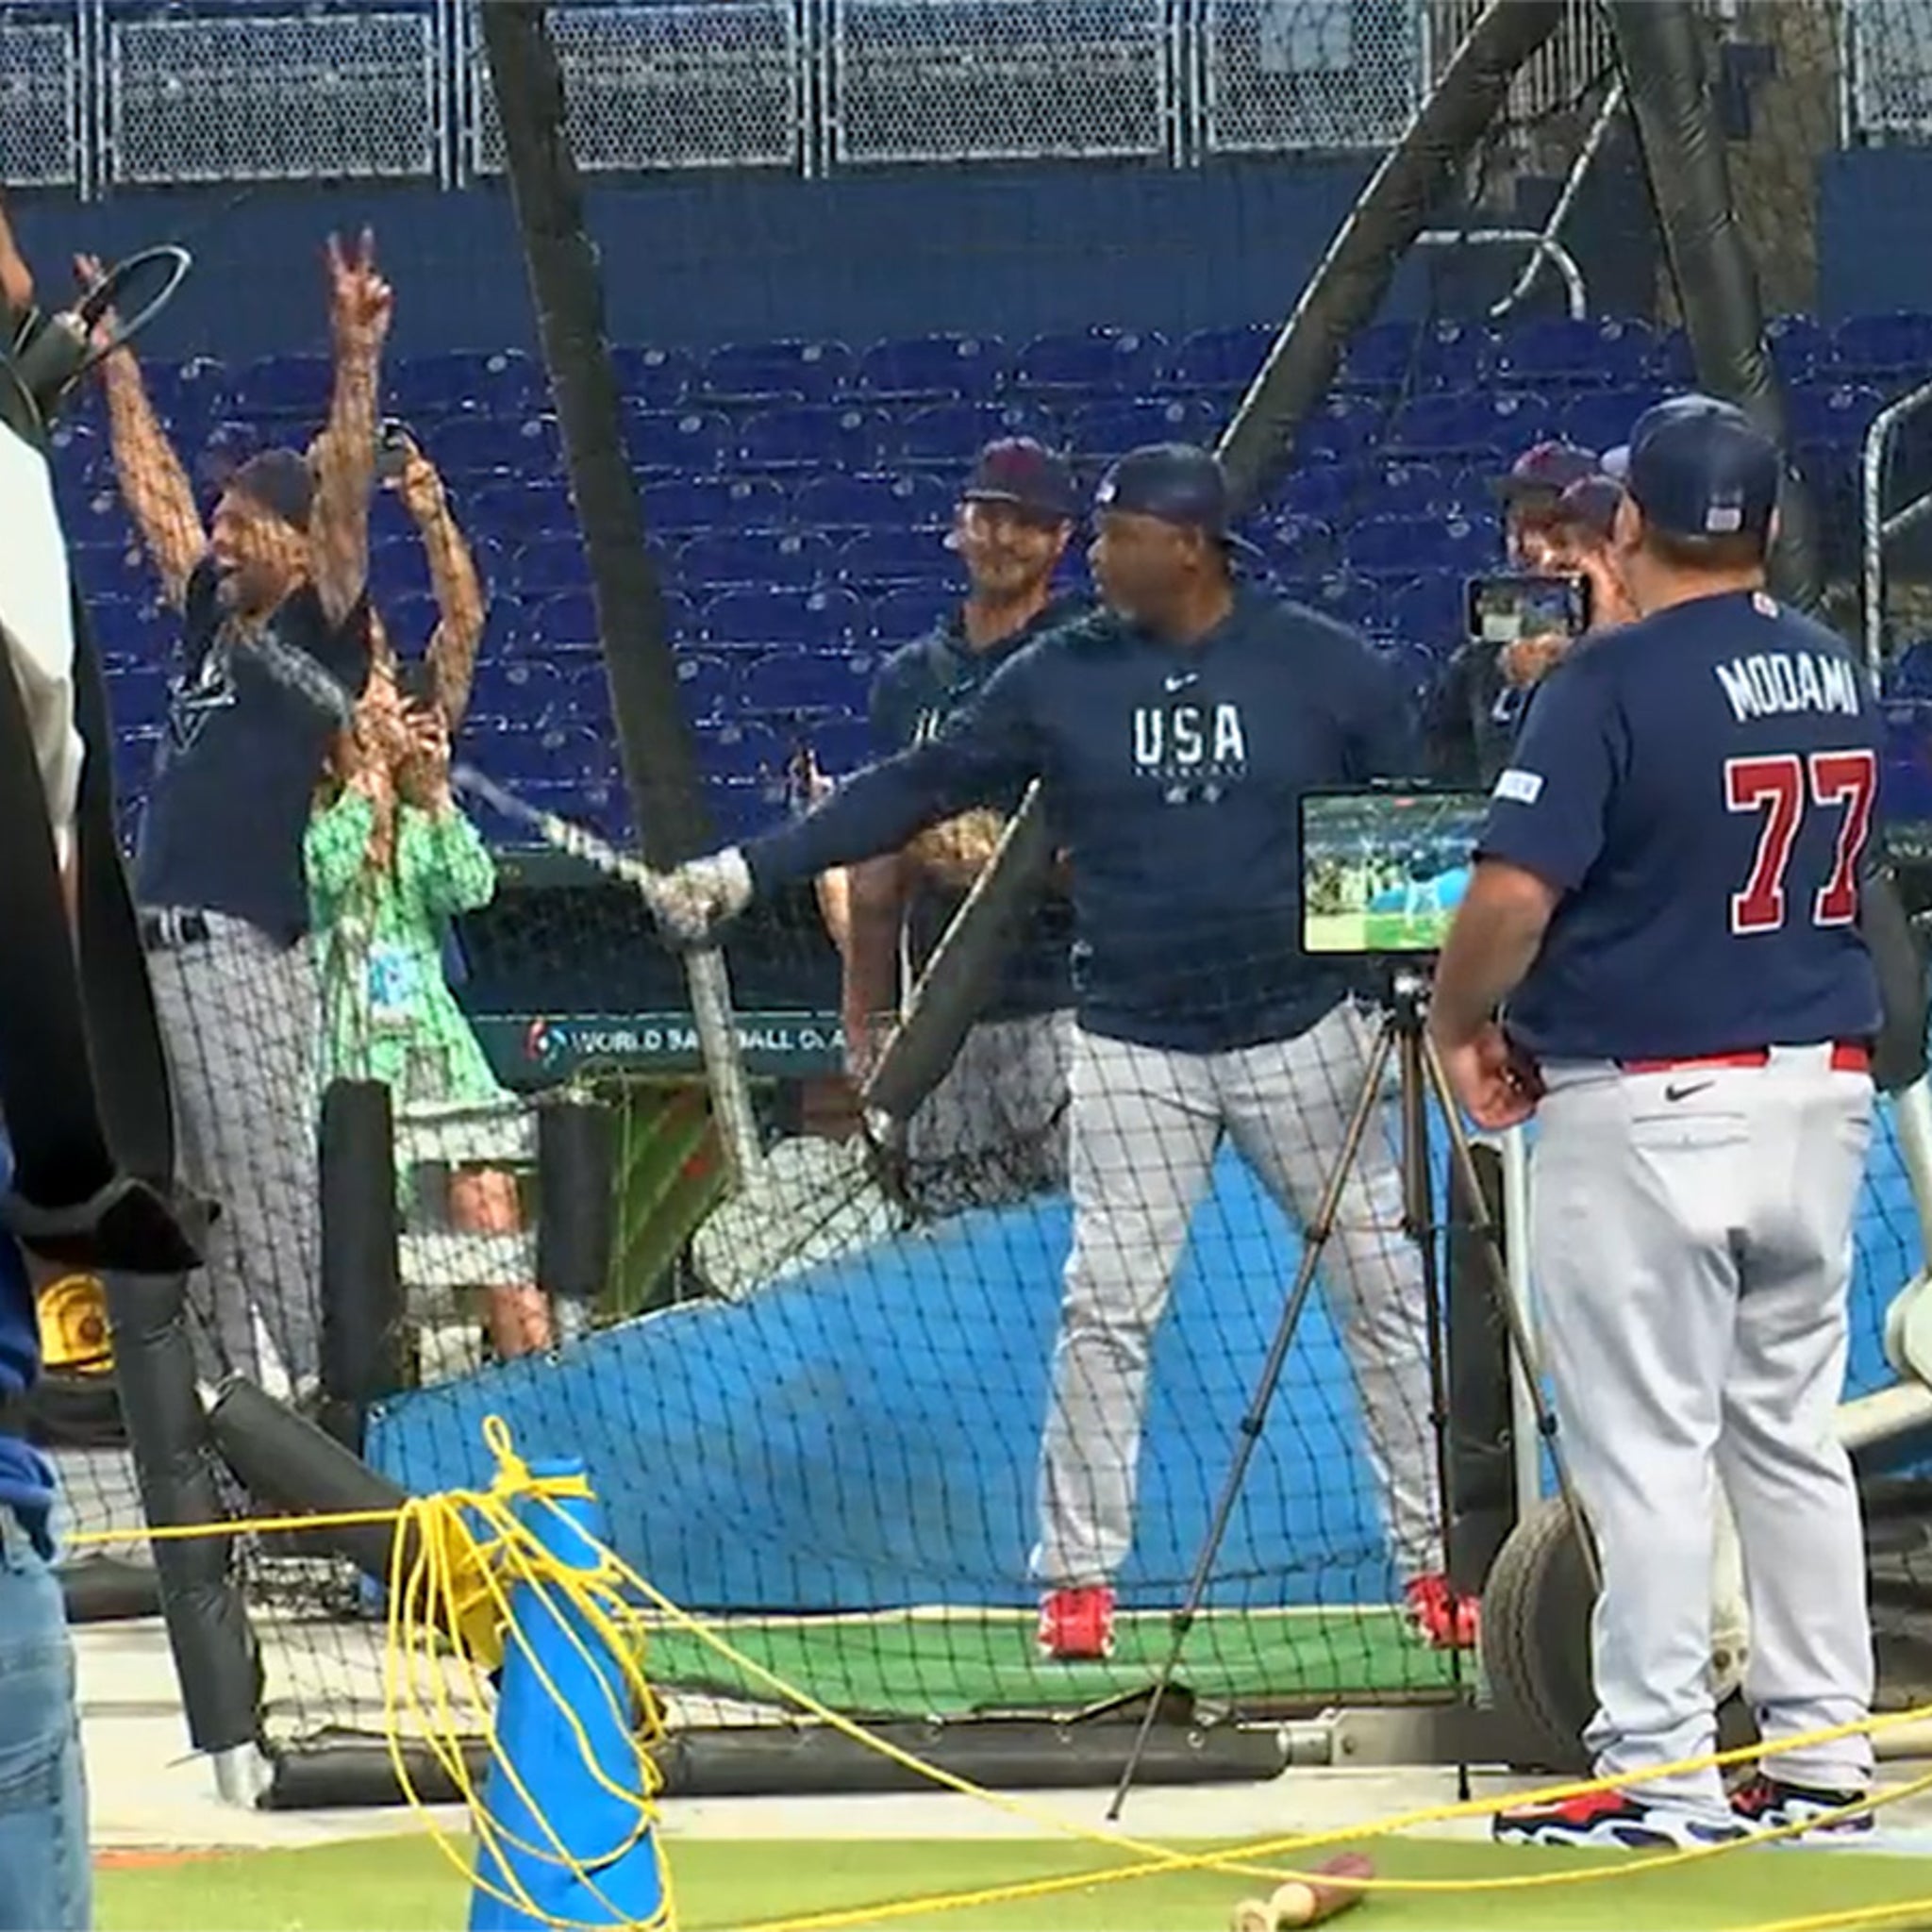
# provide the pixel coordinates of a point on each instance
(653, 378)
(1600, 352)
(551, 564)
(938, 367)
(1092, 362)
(808, 438)
(1466, 424)
(1219, 359)
(1800, 347)
(285, 386)
(1429, 610)
(840, 503)
(900, 616)
(880, 560)
(1603, 420)
(790, 682)
(675, 443)
(951, 434)
(1340, 430)
(708, 685)
(774, 372)
(1883, 345)
(842, 744)
(781, 559)
(817, 620)
(1396, 356)
(1110, 429)
(518, 511)
(695, 506)
(1834, 417)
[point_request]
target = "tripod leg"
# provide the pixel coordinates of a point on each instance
(1314, 1239)
(1521, 1341)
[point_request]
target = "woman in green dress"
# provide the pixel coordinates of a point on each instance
(391, 858)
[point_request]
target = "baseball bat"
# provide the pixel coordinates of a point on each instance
(1307, 1900)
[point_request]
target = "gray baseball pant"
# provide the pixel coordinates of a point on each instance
(994, 1129)
(1692, 1233)
(1146, 1125)
(238, 1013)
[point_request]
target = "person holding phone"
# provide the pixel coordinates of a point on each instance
(389, 859)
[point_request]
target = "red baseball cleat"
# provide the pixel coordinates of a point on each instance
(1443, 1618)
(1077, 1625)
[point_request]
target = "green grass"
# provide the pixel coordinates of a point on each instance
(373, 1885)
(953, 1663)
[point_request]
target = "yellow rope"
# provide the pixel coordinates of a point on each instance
(460, 1556)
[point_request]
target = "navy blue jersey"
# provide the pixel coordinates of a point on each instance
(1173, 778)
(240, 758)
(919, 690)
(1700, 787)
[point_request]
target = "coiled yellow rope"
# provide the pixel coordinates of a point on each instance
(459, 1557)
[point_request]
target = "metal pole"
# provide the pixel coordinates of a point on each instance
(1526, 1435)
(1871, 514)
(1592, 146)
(1542, 248)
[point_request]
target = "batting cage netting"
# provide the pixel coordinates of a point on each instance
(778, 1242)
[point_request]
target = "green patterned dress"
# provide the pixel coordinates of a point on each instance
(387, 1011)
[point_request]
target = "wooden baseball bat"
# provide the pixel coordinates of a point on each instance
(1307, 1901)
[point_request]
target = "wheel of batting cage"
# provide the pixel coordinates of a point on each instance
(1535, 1642)
(1535, 1638)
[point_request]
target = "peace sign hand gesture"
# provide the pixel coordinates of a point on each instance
(360, 302)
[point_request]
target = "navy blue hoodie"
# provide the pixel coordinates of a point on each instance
(1173, 777)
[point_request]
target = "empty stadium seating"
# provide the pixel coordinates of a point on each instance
(795, 494)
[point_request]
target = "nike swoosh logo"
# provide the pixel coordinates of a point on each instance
(1684, 1092)
(1180, 680)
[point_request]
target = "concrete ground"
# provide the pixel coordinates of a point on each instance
(149, 1792)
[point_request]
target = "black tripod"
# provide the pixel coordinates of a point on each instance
(1404, 1034)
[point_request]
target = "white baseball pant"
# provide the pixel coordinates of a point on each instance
(1692, 1233)
(1145, 1127)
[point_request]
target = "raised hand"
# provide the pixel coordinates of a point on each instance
(89, 273)
(418, 484)
(360, 302)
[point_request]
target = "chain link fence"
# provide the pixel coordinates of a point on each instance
(206, 94)
(975, 80)
(40, 82)
(1285, 76)
(1889, 57)
(720, 84)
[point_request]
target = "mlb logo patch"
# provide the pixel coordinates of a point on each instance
(1519, 787)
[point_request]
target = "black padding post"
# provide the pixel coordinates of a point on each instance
(362, 1354)
(1482, 1501)
(577, 1180)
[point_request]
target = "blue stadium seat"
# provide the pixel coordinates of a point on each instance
(458, 382)
(1909, 673)
(1884, 345)
(410, 620)
(742, 753)
(1112, 429)
(774, 372)
(1347, 599)
(564, 620)
(783, 559)
(878, 561)
(515, 511)
(1408, 489)
(901, 616)
(1431, 611)
(1466, 425)
(792, 682)
(708, 685)
(1603, 420)
(1603, 353)
(1907, 787)
(527, 448)
(187, 393)
(1219, 359)
(551, 564)
(869, 503)
(285, 386)
(818, 620)
(138, 694)
(951, 434)
(1405, 355)
(653, 378)
(1330, 491)
(1401, 546)
(1671, 362)
(1835, 418)
(226, 446)
(808, 438)
(965, 368)
(1341, 428)
(690, 506)
(523, 689)
(675, 443)
(1091, 361)
(1800, 345)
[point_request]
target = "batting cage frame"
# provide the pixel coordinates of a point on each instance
(1504, 1541)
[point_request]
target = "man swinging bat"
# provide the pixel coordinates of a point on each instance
(1174, 735)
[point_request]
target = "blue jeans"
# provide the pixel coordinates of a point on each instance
(47, 1881)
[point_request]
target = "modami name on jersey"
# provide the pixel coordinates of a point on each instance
(1769, 682)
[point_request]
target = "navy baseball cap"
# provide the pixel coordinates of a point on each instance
(1544, 471)
(1026, 474)
(1700, 467)
(1178, 483)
